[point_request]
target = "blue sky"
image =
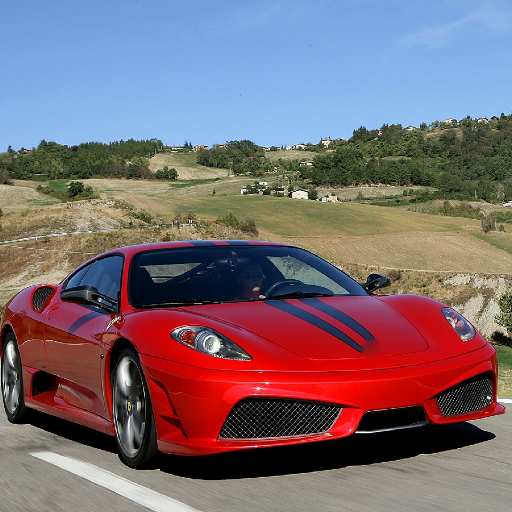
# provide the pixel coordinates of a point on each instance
(275, 72)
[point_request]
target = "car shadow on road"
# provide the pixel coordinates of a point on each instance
(357, 450)
(72, 431)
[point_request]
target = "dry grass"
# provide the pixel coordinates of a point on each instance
(292, 154)
(430, 251)
(18, 198)
(186, 166)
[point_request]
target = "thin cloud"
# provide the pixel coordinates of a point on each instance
(493, 18)
(250, 18)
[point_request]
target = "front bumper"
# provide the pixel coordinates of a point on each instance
(191, 404)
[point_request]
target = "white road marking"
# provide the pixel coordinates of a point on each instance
(505, 400)
(137, 493)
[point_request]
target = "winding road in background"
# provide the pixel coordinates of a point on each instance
(49, 465)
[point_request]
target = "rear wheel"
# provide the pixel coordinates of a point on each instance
(12, 381)
(133, 415)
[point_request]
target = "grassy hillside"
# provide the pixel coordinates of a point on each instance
(186, 166)
(342, 232)
(292, 154)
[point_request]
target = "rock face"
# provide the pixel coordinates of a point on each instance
(482, 307)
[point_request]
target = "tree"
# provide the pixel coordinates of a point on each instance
(166, 173)
(313, 194)
(75, 188)
(504, 319)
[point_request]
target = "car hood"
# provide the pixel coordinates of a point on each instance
(331, 328)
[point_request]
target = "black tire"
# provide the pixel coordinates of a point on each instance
(132, 412)
(12, 381)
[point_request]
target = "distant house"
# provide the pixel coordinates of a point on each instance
(299, 194)
(482, 120)
(329, 199)
(411, 128)
(299, 146)
(326, 142)
(199, 147)
(450, 121)
(306, 163)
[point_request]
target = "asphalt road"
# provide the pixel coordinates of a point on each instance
(51, 465)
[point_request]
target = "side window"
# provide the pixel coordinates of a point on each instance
(77, 278)
(104, 275)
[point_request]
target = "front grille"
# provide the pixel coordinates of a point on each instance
(392, 419)
(258, 418)
(468, 396)
(40, 296)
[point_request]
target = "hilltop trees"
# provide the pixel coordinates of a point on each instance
(54, 161)
(240, 156)
(469, 157)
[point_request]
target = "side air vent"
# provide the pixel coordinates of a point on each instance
(40, 296)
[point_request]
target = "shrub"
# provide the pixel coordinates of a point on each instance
(499, 338)
(488, 224)
(504, 319)
(246, 226)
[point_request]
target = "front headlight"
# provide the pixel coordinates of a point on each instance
(208, 341)
(461, 326)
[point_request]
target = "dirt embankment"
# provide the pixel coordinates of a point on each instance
(481, 306)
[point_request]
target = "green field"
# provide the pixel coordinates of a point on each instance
(284, 216)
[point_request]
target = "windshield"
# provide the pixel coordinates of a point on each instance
(212, 274)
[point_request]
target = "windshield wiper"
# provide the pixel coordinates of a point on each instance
(180, 302)
(299, 295)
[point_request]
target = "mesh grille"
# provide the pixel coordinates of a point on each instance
(469, 396)
(40, 296)
(262, 418)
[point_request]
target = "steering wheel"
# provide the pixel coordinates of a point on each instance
(279, 284)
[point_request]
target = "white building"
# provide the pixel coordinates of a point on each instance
(299, 194)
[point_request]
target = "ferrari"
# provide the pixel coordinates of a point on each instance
(203, 347)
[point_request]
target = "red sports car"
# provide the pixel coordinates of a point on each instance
(202, 347)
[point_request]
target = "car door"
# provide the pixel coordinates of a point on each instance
(73, 335)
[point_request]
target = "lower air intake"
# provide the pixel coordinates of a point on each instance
(468, 396)
(392, 419)
(258, 418)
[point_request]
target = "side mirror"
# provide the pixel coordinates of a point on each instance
(376, 281)
(90, 296)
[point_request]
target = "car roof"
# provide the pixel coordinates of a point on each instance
(133, 249)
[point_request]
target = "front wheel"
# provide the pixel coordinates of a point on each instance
(12, 381)
(132, 412)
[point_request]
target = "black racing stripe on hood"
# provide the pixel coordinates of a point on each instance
(314, 320)
(340, 316)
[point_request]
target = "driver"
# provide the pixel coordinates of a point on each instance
(250, 281)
